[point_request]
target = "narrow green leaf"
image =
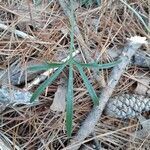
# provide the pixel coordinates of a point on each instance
(69, 107)
(88, 85)
(100, 66)
(44, 66)
(47, 82)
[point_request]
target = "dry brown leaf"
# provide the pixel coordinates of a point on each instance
(142, 87)
(59, 102)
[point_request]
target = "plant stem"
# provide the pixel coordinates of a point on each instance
(72, 30)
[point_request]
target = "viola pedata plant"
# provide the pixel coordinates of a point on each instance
(71, 63)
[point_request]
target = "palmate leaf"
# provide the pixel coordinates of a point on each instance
(47, 82)
(88, 85)
(69, 107)
(44, 66)
(99, 66)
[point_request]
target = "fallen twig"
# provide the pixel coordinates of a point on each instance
(17, 32)
(141, 58)
(94, 116)
(18, 73)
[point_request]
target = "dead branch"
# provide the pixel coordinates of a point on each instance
(141, 58)
(94, 116)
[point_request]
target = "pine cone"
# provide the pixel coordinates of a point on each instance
(127, 106)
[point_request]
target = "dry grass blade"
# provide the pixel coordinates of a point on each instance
(17, 32)
(8, 144)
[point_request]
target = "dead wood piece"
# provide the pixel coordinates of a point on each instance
(141, 58)
(6, 143)
(94, 116)
(12, 97)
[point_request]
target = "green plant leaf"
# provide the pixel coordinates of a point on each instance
(100, 66)
(47, 82)
(44, 66)
(69, 107)
(88, 85)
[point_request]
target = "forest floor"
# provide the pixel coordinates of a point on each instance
(45, 36)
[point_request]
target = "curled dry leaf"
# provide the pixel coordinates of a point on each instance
(59, 102)
(142, 85)
(145, 131)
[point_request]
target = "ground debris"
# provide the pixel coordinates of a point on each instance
(59, 102)
(12, 97)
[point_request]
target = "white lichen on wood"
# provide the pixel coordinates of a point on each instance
(12, 97)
